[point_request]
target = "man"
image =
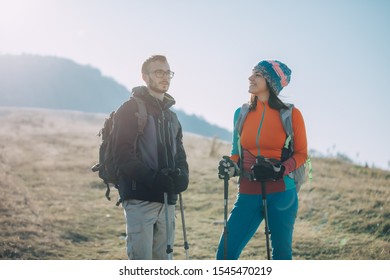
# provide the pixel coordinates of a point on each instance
(152, 165)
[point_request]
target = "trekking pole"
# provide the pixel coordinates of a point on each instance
(225, 229)
(186, 247)
(169, 247)
(265, 213)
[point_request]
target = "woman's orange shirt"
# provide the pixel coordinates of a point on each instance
(263, 134)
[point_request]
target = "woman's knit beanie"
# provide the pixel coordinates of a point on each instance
(275, 72)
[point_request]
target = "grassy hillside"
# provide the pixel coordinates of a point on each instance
(53, 206)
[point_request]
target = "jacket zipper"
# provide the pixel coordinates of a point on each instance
(162, 134)
(169, 134)
(164, 140)
(259, 130)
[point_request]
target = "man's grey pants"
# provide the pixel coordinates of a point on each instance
(146, 229)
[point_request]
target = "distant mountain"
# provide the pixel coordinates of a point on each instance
(56, 83)
(59, 83)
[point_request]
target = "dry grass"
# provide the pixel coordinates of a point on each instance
(53, 206)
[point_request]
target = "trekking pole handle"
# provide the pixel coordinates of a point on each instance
(225, 187)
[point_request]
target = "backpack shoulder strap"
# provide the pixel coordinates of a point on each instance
(142, 114)
(286, 117)
(298, 174)
(241, 118)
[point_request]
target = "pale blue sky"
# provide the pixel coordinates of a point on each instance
(339, 53)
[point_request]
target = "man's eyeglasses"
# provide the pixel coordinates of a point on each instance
(161, 74)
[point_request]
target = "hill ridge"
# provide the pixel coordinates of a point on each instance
(60, 83)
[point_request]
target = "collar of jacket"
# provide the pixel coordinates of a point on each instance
(143, 93)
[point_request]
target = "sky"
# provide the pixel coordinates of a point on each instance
(338, 51)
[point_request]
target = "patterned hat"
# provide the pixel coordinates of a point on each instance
(275, 72)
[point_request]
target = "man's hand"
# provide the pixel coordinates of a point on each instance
(164, 181)
(180, 179)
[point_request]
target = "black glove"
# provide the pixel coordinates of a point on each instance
(164, 181)
(228, 168)
(267, 169)
(180, 179)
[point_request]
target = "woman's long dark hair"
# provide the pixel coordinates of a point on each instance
(273, 101)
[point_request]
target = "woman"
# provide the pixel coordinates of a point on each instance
(258, 155)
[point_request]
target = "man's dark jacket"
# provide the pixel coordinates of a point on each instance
(140, 157)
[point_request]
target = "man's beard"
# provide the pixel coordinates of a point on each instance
(153, 87)
(156, 89)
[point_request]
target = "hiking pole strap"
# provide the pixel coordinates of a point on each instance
(108, 192)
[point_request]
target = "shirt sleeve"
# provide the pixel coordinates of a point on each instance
(235, 154)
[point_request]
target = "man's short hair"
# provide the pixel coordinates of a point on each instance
(151, 59)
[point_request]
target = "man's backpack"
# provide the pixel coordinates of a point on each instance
(106, 167)
(299, 174)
